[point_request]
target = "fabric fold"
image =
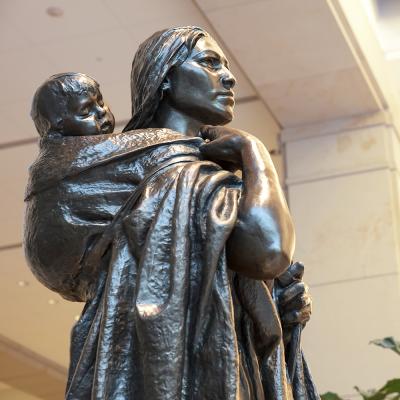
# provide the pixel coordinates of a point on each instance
(143, 244)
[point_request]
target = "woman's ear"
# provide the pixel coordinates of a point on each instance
(165, 86)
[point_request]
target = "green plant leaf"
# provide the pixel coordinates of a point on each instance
(392, 386)
(367, 394)
(330, 396)
(389, 389)
(388, 343)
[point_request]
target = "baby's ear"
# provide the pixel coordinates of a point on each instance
(58, 124)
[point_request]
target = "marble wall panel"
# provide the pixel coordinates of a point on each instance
(346, 317)
(346, 226)
(341, 153)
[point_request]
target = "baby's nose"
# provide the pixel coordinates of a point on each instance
(101, 111)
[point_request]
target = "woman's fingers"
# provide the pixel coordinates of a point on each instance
(209, 132)
(214, 151)
(294, 273)
(223, 143)
(297, 303)
(219, 149)
(297, 317)
(296, 289)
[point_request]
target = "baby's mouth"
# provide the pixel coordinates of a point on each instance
(106, 127)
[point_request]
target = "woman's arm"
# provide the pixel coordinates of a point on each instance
(262, 243)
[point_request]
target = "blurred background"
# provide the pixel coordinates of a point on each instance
(318, 82)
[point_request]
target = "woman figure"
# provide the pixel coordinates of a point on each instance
(168, 249)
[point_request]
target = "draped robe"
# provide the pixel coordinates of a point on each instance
(135, 225)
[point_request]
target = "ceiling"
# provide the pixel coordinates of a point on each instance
(302, 73)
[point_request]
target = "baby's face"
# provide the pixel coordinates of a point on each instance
(87, 114)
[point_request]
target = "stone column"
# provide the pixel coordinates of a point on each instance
(343, 188)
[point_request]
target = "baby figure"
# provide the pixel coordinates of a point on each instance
(71, 104)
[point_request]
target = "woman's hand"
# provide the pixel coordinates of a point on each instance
(224, 144)
(294, 301)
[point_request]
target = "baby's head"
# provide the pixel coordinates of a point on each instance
(71, 104)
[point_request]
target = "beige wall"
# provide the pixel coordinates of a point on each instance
(344, 197)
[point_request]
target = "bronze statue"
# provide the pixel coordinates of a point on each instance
(182, 263)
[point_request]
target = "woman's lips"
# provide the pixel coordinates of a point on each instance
(228, 97)
(226, 93)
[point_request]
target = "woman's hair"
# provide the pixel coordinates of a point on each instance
(154, 58)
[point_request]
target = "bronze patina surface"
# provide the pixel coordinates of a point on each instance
(184, 265)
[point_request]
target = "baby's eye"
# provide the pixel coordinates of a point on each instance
(85, 112)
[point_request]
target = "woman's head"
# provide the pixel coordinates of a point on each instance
(157, 65)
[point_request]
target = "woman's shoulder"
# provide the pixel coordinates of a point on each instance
(150, 136)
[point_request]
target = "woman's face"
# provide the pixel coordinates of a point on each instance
(201, 87)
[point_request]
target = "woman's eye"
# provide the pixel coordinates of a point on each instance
(210, 62)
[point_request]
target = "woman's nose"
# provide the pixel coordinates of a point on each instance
(228, 79)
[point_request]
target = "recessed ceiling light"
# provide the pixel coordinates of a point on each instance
(54, 11)
(22, 283)
(52, 302)
(76, 318)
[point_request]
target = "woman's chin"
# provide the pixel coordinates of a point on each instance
(222, 118)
